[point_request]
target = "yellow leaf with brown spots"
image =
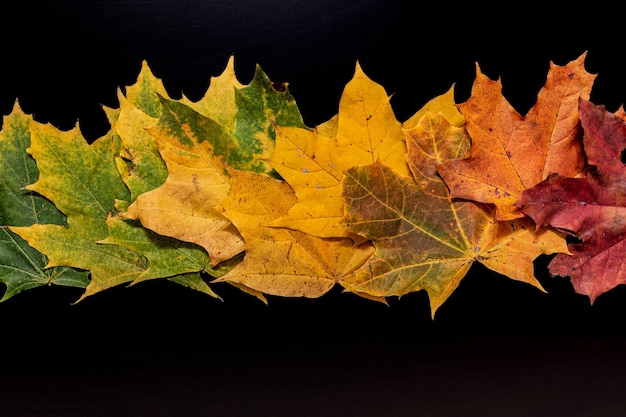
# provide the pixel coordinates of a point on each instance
(314, 161)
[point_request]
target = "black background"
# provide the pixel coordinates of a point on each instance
(496, 348)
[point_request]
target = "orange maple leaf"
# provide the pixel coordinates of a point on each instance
(510, 153)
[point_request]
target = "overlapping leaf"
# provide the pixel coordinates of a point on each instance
(142, 170)
(593, 207)
(423, 238)
(444, 104)
(195, 149)
(219, 102)
(235, 186)
(139, 161)
(281, 261)
(21, 266)
(314, 161)
(83, 182)
(511, 153)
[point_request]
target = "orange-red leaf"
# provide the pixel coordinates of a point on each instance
(511, 153)
(592, 208)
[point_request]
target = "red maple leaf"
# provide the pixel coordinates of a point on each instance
(592, 207)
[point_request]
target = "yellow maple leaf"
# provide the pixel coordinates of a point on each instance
(182, 207)
(281, 261)
(219, 103)
(314, 161)
(443, 104)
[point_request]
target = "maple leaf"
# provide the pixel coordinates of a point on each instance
(511, 153)
(261, 106)
(83, 182)
(314, 161)
(180, 262)
(250, 113)
(281, 261)
(195, 149)
(444, 104)
(424, 239)
(182, 207)
(219, 102)
(142, 170)
(592, 208)
(21, 266)
(139, 161)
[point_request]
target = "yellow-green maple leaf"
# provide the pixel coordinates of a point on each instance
(83, 182)
(142, 170)
(364, 131)
(21, 266)
(139, 161)
(196, 147)
(182, 207)
(180, 262)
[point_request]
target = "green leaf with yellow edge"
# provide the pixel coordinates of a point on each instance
(139, 161)
(261, 106)
(423, 238)
(280, 261)
(21, 266)
(364, 131)
(144, 93)
(83, 182)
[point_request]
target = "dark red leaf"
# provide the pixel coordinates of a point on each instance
(592, 208)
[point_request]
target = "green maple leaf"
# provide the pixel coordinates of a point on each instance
(83, 182)
(21, 266)
(260, 106)
(180, 262)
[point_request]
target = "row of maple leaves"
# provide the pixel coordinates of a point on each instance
(236, 188)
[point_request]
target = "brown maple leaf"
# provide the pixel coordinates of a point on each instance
(592, 208)
(511, 153)
(424, 239)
